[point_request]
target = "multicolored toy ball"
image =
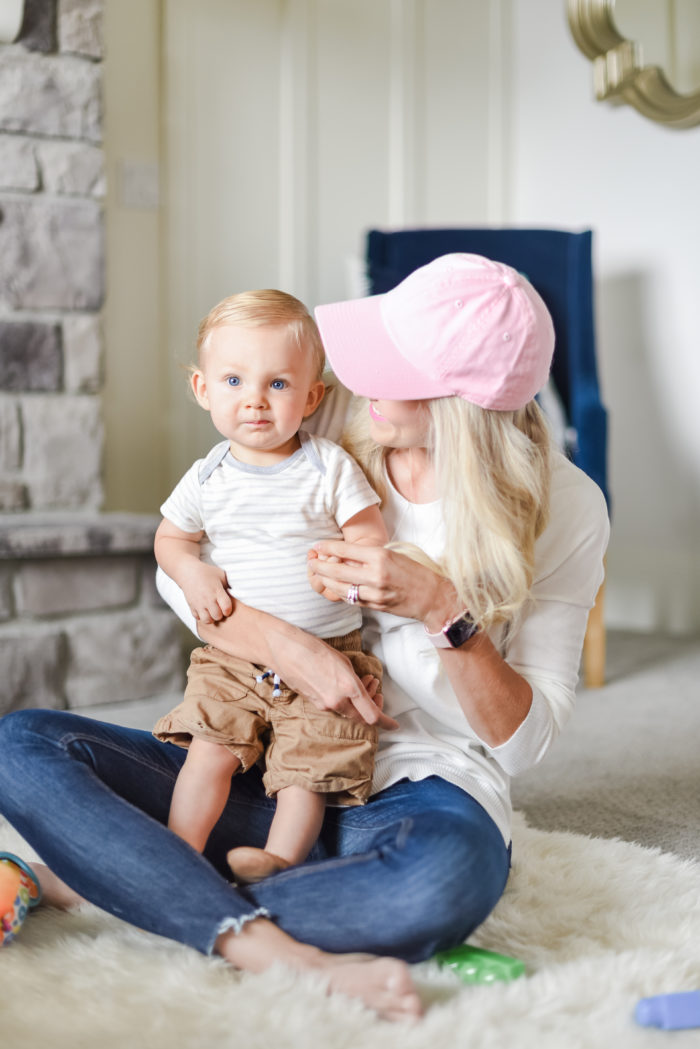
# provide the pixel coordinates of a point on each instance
(19, 891)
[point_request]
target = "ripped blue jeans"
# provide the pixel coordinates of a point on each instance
(413, 871)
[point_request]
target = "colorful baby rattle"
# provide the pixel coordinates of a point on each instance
(19, 891)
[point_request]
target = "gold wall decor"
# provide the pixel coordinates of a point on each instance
(619, 72)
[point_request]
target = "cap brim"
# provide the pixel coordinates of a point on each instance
(365, 358)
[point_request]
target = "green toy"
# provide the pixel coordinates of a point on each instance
(475, 965)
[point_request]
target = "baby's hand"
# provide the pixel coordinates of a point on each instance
(204, 587)
(373, 686)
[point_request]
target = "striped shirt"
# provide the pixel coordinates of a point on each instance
(260, 521)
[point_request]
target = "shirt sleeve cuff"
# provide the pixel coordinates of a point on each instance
(532, 738)
(173, 596)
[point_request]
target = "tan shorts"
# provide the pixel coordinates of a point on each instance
(318, 750)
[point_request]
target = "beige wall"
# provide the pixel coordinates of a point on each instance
(284, 129)
(290, 126)
(136, 384)
(578, 162)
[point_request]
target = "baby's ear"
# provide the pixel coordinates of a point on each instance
(199, 388)
(314, 397)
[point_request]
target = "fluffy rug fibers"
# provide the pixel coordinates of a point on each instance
(599, 924)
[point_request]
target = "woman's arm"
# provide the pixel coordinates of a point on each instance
(305, 663)
(517, 704)
(494, 697)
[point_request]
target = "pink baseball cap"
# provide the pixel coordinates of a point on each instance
(462, 326)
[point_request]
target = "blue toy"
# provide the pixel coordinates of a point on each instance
(672, 1012)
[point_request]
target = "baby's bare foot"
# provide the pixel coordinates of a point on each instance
(382, 984)
(250, 865)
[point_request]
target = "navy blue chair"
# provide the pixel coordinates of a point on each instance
(559, 265)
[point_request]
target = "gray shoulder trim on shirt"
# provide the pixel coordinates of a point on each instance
(212, 460)
(309, 449)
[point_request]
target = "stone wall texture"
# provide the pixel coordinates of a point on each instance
(52, 258)
(80, 620)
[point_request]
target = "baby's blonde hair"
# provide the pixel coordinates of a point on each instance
(493, 477)
(266, 307)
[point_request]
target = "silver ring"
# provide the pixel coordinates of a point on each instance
(352, 596)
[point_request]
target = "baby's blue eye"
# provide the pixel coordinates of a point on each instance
(233, 380)
(278, 384)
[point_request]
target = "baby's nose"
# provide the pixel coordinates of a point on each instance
(257, 398)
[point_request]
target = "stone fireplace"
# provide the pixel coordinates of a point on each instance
(80, 620)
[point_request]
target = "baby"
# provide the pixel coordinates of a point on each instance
(238, 526)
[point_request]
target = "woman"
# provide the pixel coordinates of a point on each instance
(480, 640)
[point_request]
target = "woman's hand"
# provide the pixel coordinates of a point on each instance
(305, 663)
(387, 580)
(330, 683)
(494, 697)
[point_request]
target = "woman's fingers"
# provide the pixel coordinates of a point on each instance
(371, 713)
(387, 580)
(365, 704)
(339, 589)
(338, 576)
(360, 707)
(339, 550)
(331, 684)
(319, 585)
(338, 571)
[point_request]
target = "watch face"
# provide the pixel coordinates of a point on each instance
(459, 632)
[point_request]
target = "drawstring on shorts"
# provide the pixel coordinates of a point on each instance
(276, 691)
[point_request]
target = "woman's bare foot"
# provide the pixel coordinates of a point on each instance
(54, 891)
(382, 984)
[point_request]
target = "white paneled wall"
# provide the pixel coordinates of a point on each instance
(289, 127)
(579, 163)
(293, 127)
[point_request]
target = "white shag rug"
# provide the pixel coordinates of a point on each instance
(599, 924)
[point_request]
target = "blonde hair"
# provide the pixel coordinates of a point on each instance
(266, 307)
(493, 471)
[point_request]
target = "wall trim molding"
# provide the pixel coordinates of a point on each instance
(404, 111)
(297, 146)
(498, 98)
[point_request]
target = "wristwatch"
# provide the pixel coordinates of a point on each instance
(456, 632)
